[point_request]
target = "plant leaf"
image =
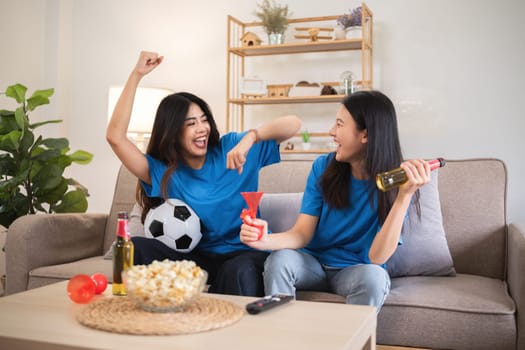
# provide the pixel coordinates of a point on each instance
(17, 91)
(59, 143)
(47, 178)
(78, 186)
(36, 101)
(10, 142)
(20, 117)
(73, 202)
(46, 155)
(36, 125)
(81, 157)
(47, 93)
(39, 97)
(53, 196)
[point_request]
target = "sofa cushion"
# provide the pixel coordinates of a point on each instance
(44, 275)
(280, 210)
(424, 250)
(464, 312)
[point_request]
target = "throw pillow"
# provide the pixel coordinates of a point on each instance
(280, 210)
(425, 249)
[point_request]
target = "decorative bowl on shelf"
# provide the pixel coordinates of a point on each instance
(165, 286)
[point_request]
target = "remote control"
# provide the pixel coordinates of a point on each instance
(267, 303)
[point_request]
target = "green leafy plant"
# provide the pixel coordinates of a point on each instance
(306, 136)
(32, 167)
(274, 17)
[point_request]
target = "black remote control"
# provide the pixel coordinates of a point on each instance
(267, 303)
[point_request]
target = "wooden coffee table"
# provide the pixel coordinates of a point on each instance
(44, 318)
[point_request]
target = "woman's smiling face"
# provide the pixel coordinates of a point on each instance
(195, 134)
(351, 142)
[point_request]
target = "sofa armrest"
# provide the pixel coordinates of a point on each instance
(42, 240)
(515, 276)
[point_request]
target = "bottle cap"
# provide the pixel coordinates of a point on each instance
(122, 215)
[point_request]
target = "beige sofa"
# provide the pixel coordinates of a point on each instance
(482, 307)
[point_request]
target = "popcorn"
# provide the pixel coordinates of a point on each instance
(165, 285)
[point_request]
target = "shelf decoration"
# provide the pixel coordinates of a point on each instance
(278, 90)
(313, 33)
(304, 88)
(252, 87)
(274, 19)
(351, 23)
(250, 39)
(305, 135)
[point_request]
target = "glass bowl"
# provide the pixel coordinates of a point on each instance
(167, 286)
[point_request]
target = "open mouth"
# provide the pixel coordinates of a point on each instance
(200, 142)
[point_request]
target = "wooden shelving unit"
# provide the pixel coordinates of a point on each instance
(236, 55)
(281, 100)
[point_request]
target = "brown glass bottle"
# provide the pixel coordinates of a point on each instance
(393, 178)
(122, 254)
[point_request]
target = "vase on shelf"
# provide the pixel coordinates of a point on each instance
(275, 38)
(353, 32)
(306, 146)
(339, 33)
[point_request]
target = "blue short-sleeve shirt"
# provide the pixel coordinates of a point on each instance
(343, 236)
(214, 192)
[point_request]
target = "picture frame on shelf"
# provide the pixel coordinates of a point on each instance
(253, 86)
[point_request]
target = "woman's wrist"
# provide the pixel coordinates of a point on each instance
(255, 134)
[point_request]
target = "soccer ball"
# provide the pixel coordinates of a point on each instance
(175, 224)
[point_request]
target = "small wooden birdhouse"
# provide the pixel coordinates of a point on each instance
(250, 39)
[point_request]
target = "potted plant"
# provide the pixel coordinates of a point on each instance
(305, 135)
(274, 19)
(351, 23)
(32, 167)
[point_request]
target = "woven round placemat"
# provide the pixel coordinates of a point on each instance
(123, 315)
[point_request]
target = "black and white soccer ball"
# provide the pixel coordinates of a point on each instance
(175, 224)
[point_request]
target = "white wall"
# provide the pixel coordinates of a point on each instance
(453, 68)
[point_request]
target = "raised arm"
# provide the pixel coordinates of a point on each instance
(116, 133)
(386, 240)
(279, 129)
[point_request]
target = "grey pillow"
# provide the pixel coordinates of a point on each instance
(280, 210)
(425, 249)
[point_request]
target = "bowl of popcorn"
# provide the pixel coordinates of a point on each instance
(165, 286)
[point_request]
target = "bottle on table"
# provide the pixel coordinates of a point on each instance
(122, 253)
(396, 177)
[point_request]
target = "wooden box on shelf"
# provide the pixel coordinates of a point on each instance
(278, 90)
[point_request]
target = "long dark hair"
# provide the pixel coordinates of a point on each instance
(164, 143)
(373, 111)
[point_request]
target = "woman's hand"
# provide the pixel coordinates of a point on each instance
(418, 174)
(147, 62)
(251, 232)
(236, 158)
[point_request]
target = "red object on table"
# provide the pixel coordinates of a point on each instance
(81, 289)
(101, 282)
(252, 199)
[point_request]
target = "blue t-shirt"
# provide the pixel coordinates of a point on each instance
(343, 236)
(214, 192)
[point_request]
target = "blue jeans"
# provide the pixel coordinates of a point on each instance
(287, 270)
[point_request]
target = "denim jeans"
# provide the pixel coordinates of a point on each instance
(287, 270)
